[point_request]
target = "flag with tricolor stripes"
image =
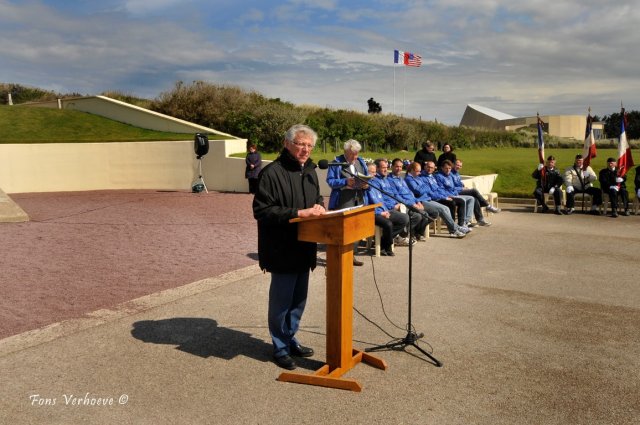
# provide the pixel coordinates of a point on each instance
(406, 58)
(625, 160)
(543, 170)
(589, 150)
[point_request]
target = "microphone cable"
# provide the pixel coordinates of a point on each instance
(375, 281)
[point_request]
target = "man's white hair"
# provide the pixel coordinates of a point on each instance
(352, 145)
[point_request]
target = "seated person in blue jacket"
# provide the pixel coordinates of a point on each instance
(381, 171)
(396, 179)
(391, 221)
(480, 201)
(465, 203)
(346, 190)
(439, 195)
(422, 193)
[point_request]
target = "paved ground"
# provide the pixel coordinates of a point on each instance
(535, 318)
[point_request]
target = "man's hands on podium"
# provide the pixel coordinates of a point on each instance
(314, 211)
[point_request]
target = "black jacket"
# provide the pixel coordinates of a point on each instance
(553, 178)
(284, 187)
(608, 179)
(447, 155)
(423, 155)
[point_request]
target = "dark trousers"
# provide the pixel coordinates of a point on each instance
(613, 198)
(253, 185)
(455, 204)
(478, 205)
(391, 227)
(418, 224)
(539, 194)
(596, 196)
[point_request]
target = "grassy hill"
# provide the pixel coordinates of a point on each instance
(23, 124)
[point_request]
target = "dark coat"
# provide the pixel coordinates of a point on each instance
(422, 156)
(447, 155)
(553, 178)
(284, 187)
(608, 179)
(253, 158)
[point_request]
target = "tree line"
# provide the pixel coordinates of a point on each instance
(262, 120)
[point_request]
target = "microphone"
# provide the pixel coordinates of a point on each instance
(323, 164)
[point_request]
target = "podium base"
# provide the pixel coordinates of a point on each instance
(332, 378)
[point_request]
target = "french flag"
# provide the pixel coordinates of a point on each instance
(589, 150)
(625, 160)
(398, 57)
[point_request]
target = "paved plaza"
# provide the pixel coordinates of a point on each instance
(535, 319)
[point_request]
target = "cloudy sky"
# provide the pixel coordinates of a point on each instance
(519, 57)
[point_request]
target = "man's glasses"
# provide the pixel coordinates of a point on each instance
(303, 145)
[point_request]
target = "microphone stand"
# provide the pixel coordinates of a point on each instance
(412, 336)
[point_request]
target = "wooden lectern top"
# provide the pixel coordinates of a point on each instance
(341, 227)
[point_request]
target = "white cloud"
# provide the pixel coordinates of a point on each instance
(516, 56)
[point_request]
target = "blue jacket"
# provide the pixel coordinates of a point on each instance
(434, 187)
(419, 188)
(374, 196)
(457, 180)
(385, 184)
(336, 180)
(401, 189)
(447, 184)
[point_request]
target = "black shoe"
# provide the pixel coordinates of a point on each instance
(387, 253)
(285, 362)
(300, 351)
(558, 211)
(357, 262)
(614, 214)
(544, 209)
(594, 212)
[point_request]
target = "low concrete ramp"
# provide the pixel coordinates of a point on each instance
(10, 212)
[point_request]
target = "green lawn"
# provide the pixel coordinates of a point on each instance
(23, 124)
(513, 165)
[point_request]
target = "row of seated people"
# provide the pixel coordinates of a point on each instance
(581, 179)
(428, 195)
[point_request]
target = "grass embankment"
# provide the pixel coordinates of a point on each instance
(513, 165)
(24, 124)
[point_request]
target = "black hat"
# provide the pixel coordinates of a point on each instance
(611, 159)
(579, 156)
(551, 158)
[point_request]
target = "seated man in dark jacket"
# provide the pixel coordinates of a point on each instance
(549, 180)
(614, 186)
(287, 188)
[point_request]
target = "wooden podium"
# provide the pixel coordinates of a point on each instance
(339, 231)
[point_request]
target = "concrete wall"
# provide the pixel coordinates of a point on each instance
(59, 167)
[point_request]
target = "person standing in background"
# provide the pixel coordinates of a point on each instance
(253, 166)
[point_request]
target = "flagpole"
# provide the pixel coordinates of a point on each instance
(404, 90)
(394, 88)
